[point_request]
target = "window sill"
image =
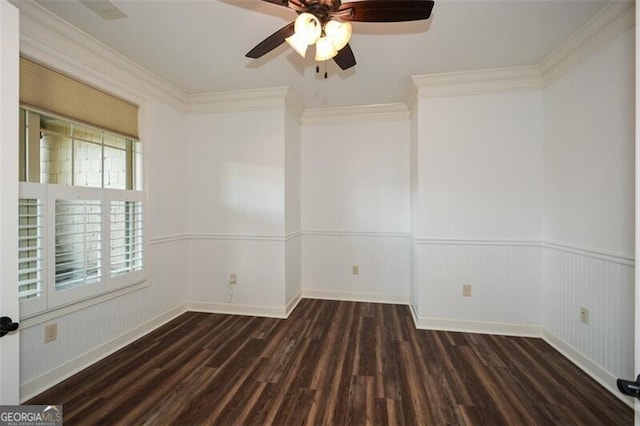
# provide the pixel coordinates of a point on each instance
(59, 311)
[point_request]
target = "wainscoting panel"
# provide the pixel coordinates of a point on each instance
(504, 279)
(257, 261)
(605, 286)
(382, 260)
(89, 334)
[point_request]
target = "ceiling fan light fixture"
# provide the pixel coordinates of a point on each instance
(325, 49)
(308, 28)
(338, 32)
(298, 43)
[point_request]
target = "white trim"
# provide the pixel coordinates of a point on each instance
(241, 237)
(594, 254)
(327, 233)
(461, 242)
(352, 296)
(607, 25)
(237, 100)
(293, 106)
(293, 304)
(580, 251)
(414, 314)
(61, 372)
(293, 235)
(43, 35)
(167, 239)
(355, 114)
(599, 374)
(497, 80)
(480, 327)
(233, 309)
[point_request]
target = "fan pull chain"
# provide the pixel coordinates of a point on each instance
(325, 69)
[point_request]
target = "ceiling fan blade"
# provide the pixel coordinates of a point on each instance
(271, 42)
(291, 4)
(386, 10)
(345, 58)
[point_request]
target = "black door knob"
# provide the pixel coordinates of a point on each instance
(628, 387)
(7, 325)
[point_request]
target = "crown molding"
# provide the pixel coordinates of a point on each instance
(607, 25)
(355, 114)
(612, 21)
(497, 80)
(45, 37)
(238, 100)
(294, 106)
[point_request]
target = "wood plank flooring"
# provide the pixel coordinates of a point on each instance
(332, 363)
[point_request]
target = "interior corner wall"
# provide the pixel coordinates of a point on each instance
(236, 211)
(414, 210)
(355, 210)
(477, 211)
(293, 216)
(588, 231)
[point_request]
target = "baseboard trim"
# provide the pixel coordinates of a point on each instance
(355, 296)
(480, 327)
(234, 309)
(596, 372)
(44, 381)
(293, 303)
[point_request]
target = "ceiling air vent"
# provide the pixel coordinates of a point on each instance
(105, 9)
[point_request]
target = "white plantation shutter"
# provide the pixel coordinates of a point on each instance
(30, 246)
(126, 237)
(78, 250)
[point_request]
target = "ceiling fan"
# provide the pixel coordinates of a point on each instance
(325, 23)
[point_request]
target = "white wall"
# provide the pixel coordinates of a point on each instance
(355, 210)
(165, 172)
(355, 177)
(588, 231)
(451, 195)
(480, 160)
(293, 207)
(91, 332)
(588, 164)
(236, 210)
(477, 211)
(236, 173)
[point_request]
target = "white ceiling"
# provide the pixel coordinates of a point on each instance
(199, 46)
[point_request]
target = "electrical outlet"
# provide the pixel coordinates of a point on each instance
(233, 278)
(584, 315)
(50, 332)
(355, 270)
(466, 290)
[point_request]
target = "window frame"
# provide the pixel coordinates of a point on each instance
(51, 299)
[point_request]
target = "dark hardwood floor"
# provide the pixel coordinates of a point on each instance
(332, 363)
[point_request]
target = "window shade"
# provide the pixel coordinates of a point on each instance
(50, 91)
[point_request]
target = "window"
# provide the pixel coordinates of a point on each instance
(81, 212)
